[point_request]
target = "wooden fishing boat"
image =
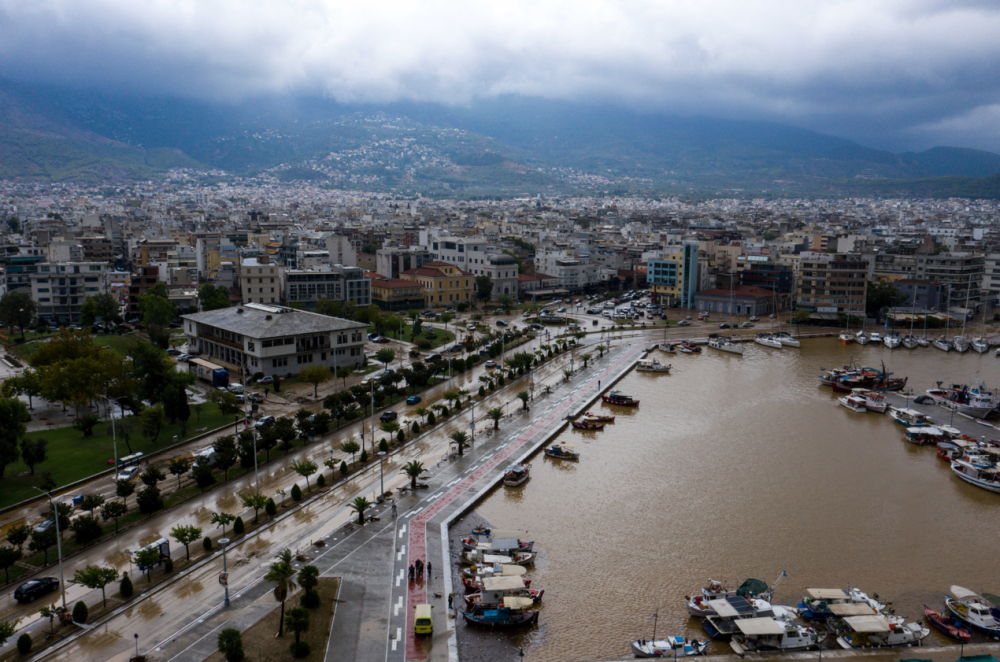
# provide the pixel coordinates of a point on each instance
(949, 626)
(513, 613)
(516, 474)
(562, 451)
(619, 398)
(587, 425)
(598, 418)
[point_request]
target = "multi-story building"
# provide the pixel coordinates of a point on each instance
(574, 273)
(392, 261)
(261, 282)
(921, 294)
(274, 340)
(674, 279)
(501, 269)
(140, 282)
(741, 300)
(335, 283)
(991, 280)
(962, 273)
(832, 284)
(397, 294)
(59, 289)
(147, 251)
(444, 284)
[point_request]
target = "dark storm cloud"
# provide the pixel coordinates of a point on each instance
(896, 73)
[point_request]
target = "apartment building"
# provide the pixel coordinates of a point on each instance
(574, 273)
(673, 279)
(59, 289)
(261, 282)
(332, 282)
(393, 260)
(832, 284)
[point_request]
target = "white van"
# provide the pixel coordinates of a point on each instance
(236, 388)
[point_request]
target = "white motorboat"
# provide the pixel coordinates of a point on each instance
(652, 365)
(787, 340)
(767, 340)
(891, 340)
(861, 338)
(855, 403)
(876, 630)
(667, 347)
(980, 345)
(874, 401)
(763, 634)
(976, 401)
(909, 342)
(979, 470)
(724, 344)
(974, 610)
(672, 647)
(961, 345)
(876, 337)
(942, 344)
(480, 558)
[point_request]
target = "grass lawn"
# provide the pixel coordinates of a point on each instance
(71, 456)
(442, 337)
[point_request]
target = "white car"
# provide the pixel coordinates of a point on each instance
(128, 473)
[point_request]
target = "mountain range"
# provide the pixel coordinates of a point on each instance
(502, 146)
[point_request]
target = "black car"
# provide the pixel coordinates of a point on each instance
(723, 326)
(501, 323)
(35, 588)
(387, 416)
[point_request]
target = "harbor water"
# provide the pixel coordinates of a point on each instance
(745, 467)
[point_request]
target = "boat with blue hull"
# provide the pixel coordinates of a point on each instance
(974, 610)
(513, 613)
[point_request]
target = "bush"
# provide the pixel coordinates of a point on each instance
(270, 507)
(430, 419)
(168, 565)
(207, 543)
(343, 468)
(125, 587)
(80, 612)
(482, 391)
(299, 649)
(239, 528)
(501, 381)
(422, 343)
(364, 456)
(400, 436)
(383, 445)
(415, 428)
(258, 375)
(321, 480)
(310, 599)
(24, 644)
(296, 492)
(230, 644)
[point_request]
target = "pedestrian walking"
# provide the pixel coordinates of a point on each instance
(428, 570)
(451, 600)
(393, 510)
(598, 384)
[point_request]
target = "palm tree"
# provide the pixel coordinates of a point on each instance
(567, 373)
(297, 621)
(496, 414)
(601, 349)
(523, 397)
(461, 439)
(283, 574)
(586, 358)
(360, 505)
(413, 470)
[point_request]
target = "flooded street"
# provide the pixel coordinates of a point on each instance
(744, 467)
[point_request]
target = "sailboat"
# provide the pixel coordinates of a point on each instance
(910, 341)
(725, 343)
(943, 343)
(962, 344)
(670, 647)
(980, 344)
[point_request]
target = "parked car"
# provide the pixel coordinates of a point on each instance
(382, 340)
(754, 319)
(490, 364)
(174, 352)
(723, 326)
(773, 316)
(185, 357)
(501, 323)
(387, 416)
(451, 311)
(372, 336)
(240, 398)
(456, 348)
(128, 473)
(45, 526)
(268, 379)
(746, 325)
(35, 588)
(561, 310)
(431, 358)
(256, 397)
(536, 327)
(264, 421)
(470, 327)
(413, 400)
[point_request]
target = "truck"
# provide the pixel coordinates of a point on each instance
(214, 374)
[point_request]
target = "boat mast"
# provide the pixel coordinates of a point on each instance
(965, 313)
(655, 615)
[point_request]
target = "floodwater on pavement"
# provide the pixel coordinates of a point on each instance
(745, 467)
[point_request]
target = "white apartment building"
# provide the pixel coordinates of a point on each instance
(475, 255)
(574, 273)
(261, 282)
(59, 289)
(341, 251)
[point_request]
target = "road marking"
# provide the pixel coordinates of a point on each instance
(397, 606)
(454, 481)
(394, 641)
(414, 512)
(402, 531)
(399, 579)
(399, 633)
(399, 555)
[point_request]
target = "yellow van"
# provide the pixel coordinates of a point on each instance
(424, 621)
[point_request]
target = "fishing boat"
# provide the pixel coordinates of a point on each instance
(670, 647)
(619, 398)
(825, 603)
(486, 572)
(855, 403)
(598, 418)
(876, 630)
(586, 425)
(891, 340)
(506, 544)
(479, 558)
(763, 634)
(652, 365)
(951, 450)
(942, 344)
(516, 474)
(861, 338)
(667, 347)
(832, 375)
(513, 612)
(724, 344)
(974, 610)
(846, 337)
(729, 610)
(874, 401)
(910, 418)
(767, 340)
(875, 337)
(699, 607)
(976, 401)
(786, 339)
(978, 470)
(688, 347)
(495, 589)
(951, 627)
(562, 451)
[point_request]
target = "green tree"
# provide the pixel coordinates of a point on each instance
(152, 476)
(203, 476)
(226, 454)
(351, 447)
(329, 308)
(801, 316)
(230, 643)
(153, 421)
(33, 452)
(213, 297)
(87, 529)
(86, 424)
(43, 541)
(600, 350)
(343, 373)
(27, 384)
(315, 375)
(461, 439)
(484, 288)
(149, 500)
(223, 520)
(305, 468)
(175, 405)
(413, 470)
(225, 401)
(495, 414)
(254, 500)
(385, 356)
(8, 557)
(360, 505)
(881, 295)
(91, 502)
(18, 534)
(94, 577)
(283, 575)
(178, 467)
(50, 612)
(124, 489)
(114, 510)
(17, 309)
(586, 359)
(99, 306)
(297, 620)
(185, 535)
(13, 416)
(146, 558)
(309, 577)
(505, 300)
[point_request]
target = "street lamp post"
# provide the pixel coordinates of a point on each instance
(224, 580)
(373, 417)
(472, 422)
(381, 480)
(55, 514)
(114, 433)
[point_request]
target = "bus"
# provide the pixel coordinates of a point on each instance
(210, 372)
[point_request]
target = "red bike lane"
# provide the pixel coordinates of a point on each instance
(417, 545)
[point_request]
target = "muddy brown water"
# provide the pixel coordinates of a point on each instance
(745, 467)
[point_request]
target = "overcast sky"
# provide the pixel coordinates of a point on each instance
(890, 73)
